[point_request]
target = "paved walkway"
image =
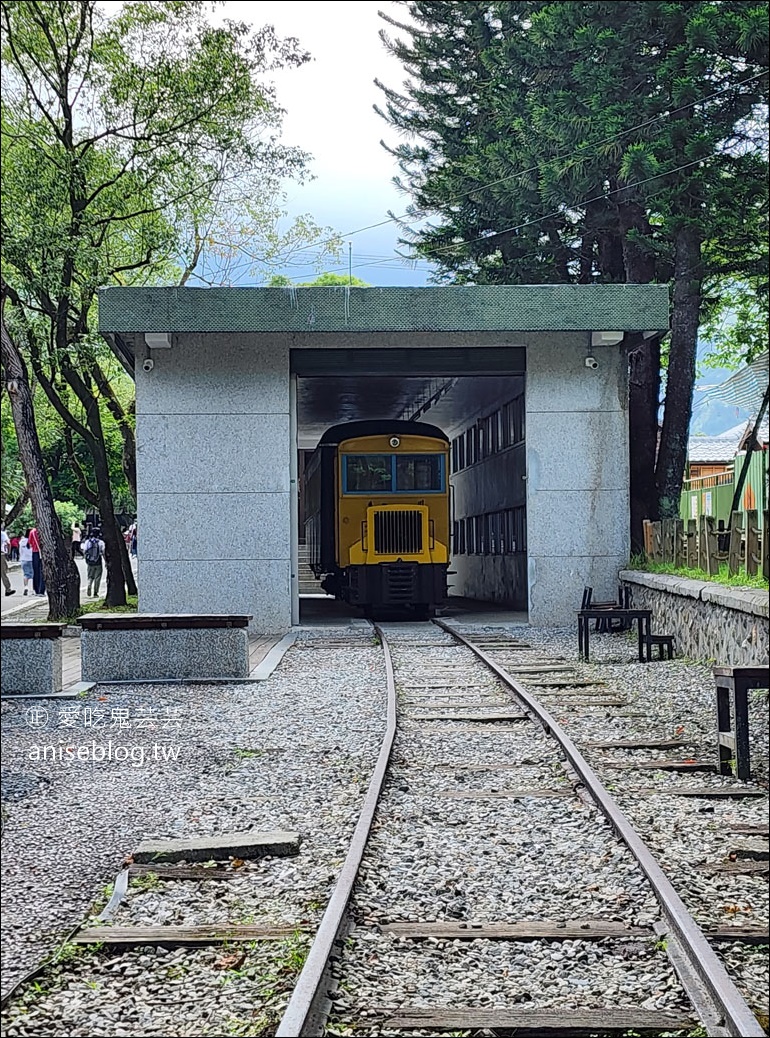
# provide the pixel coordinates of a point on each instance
(30, 607)
(259, 646)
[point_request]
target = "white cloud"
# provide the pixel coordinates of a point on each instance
(329, 112)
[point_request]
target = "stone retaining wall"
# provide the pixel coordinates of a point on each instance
(708, 621)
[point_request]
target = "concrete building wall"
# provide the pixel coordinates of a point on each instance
(213, 461)
(577, 475)
(491, 486)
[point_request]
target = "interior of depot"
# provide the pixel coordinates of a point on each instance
(482, 413)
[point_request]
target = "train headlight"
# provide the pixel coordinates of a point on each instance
(395, 442)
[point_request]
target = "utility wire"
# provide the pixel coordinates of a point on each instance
(411, 217)
(558, 212)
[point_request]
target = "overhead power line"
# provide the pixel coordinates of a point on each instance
(413, 217)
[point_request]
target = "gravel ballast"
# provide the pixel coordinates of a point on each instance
(463, 833)
(450, 844)
(291, 753)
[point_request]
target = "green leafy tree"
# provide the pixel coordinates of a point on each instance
(326, 280)
(122, 160)
(593, 142)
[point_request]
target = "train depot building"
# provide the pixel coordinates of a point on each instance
(235, 387)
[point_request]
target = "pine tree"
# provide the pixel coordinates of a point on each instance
(593, 142)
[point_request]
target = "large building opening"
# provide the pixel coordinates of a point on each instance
(476, 396)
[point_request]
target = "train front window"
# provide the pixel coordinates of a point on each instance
(368, 473)
(419, 472)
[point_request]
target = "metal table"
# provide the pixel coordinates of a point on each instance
(733, 683)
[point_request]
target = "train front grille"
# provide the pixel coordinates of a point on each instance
(399, 585)
(398, 532)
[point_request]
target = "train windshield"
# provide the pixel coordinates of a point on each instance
(386, 473)
(369, 473)
(419, 472)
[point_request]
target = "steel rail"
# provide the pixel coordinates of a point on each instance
(309, 1005)
(728, 1006)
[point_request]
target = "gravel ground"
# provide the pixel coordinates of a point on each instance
(434, 857)
(294, 752)
(672, 700)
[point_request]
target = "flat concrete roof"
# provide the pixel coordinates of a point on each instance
(526, 308)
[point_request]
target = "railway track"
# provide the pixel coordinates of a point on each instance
(427, 933)
(485, 891)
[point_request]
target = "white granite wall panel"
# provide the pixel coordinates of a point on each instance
(237, 527)
(556, 585)
(577, 475)
(258, 587)
(213, 456)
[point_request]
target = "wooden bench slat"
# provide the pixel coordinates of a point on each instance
(29, 631)
(161, 621)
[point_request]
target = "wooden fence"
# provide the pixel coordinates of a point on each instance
(698, 544)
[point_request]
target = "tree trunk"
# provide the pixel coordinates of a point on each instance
(644, 379)
(751, 446)
(119, 575)
(643, 404)
(680, 381)
(129, 459)
(124, 419)
(61, 575)
(17, 507)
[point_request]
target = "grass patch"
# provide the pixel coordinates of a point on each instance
(131, 606)
(100, 606)
(740, 580)
(149, 881)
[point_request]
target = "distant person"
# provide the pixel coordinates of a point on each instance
(93, 553)
(5, 548)
(77, 537)
(38, 580)
(25, 556)
(133, 540)
(14, 554)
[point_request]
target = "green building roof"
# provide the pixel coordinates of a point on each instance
(525, 308)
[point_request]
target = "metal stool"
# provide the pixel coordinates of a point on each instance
(733, 683)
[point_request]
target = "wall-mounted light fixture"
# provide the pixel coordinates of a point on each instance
(157, 340)
(606, 338)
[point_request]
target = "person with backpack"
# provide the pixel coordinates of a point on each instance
(93, 553)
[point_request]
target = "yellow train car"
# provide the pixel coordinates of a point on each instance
(377, 507)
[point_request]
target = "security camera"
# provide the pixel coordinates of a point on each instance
(148, 364)
(592, 362)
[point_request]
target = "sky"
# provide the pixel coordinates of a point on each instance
(329, 113)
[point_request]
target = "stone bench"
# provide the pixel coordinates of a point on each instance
(159, 647)
(31, 659)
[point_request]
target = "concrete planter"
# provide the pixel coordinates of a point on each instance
(31, 659)
(708, 621)
(147, 647)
